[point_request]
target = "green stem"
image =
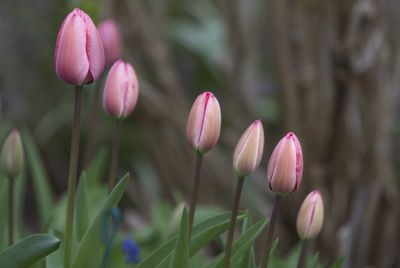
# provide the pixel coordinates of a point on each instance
(11, 211)
(303, 254)
(271, 230)
(115, 154)
(195, 190)
(72, 174)
(236, 202)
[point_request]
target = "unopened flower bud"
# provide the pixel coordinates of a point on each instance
(204, 123)
(79, 53)
(311, 216)
(121, 90)
(112, 40)
(285, 167)
(12, 155)
(249, 149)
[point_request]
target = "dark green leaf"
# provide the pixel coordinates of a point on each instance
(180, 256)
(243, 243)
(40, 181)
(90, 248)
(202, 233)
(29, 250)
(81, 208)
(338, 263)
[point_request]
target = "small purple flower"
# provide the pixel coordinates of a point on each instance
(131, 251)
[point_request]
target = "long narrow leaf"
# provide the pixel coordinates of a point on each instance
(29, 250)
(40, 181)
(81, 208)
(90, 249)
(3, 211)
(243, 243)
(181, 255)
(202, 233)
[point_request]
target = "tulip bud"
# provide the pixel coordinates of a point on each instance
(311, 216)
(112, 41)
(12, 155)
(121, 90)
(79, 53)
(249, 149)
(285, 166)
(204, 123)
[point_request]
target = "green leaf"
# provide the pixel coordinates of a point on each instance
(338, 263)
(29, 250)
(202, 233)
(91, 242)
(3, 211)
(181, 255)
(40, 181)
(243, 243)
(19, 190)
(81, 208)
(248, 260)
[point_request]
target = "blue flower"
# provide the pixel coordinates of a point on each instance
(131, 251)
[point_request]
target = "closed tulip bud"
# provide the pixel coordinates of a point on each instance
(285, 166)
(311, 216)
(12, 155)
(204, 123)
(121, 90)
(249, 150)
(79, 53)
(112, 40)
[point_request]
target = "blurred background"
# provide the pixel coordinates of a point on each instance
(327, 70)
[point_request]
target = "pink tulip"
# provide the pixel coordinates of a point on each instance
(249, 149)
(285, 166)
(121, 90)
(204, 123)
(311, 216)
(112, 40)
(79, 53)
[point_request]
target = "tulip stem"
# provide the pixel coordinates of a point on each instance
(93, 121)
(11, 211)
(72, 174)
(303, 254)
(271, 230)
(115, 154)
(236, 202)
(195, 190)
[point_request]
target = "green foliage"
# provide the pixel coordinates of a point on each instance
(180, 256)
(91, 241)
(40, 181)
(29, 250)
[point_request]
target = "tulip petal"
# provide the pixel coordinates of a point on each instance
(248, 152)
(113, 96)
(282, 166)
(131, 90)
(195, 121)
(112, 41)
(94, 49)
(72, 64)
(211, 123)
(121, 90)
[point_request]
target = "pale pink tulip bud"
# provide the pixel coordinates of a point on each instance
(79, 53)
(311, 216)
(12, 155)
(249, 149)
(285, 166)
(204, 123)
(121, 90)
(112, 40)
